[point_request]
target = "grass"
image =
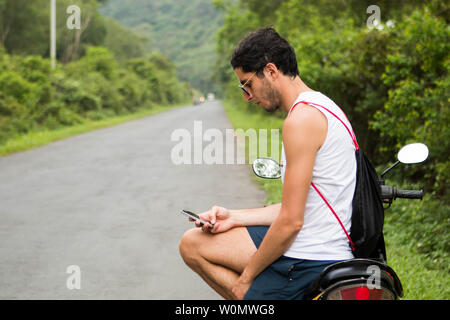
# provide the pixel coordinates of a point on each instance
(421, 266)
(419, 282)
(39, 138)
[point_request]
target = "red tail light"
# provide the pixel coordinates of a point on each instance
(359, 292)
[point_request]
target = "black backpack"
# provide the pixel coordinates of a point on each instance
(368, 213)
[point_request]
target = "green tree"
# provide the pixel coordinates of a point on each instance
(124, 43)
(24, 26)
(418, 84)
(92, 32)
(183, 30)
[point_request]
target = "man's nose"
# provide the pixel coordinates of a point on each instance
(247, 97)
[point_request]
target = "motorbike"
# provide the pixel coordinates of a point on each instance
(359, 279)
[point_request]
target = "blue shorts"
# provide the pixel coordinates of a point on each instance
(286, 278)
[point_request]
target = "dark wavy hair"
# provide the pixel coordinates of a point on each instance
(261, 47)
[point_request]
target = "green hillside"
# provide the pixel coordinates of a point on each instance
(182, 30)
(102, 71)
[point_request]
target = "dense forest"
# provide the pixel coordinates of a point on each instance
(103, 69)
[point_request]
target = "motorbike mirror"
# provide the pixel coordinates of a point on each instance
(413, 153)
(266, 168)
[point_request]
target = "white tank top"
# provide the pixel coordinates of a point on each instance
(334, 175)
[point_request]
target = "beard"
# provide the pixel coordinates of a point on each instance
(271, 95)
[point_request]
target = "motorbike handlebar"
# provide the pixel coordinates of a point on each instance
(410, 194)
(388, 192)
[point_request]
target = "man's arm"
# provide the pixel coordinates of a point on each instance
(255, 217)
(304, 131)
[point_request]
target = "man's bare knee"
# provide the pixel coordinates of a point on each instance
(197, 246)
(189, 246)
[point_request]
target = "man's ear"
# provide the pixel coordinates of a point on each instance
(271, 71)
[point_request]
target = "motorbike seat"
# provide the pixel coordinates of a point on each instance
(353, 269)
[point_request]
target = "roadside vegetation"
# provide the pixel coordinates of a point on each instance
(103, 73)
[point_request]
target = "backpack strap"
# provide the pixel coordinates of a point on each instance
(337, 217)
(352, 135)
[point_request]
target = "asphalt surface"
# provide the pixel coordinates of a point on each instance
(108, 202)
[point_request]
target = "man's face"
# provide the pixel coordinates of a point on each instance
(260, 90)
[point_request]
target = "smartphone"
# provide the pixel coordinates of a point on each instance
(195, 217)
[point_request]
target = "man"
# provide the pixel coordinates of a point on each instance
(276, 252)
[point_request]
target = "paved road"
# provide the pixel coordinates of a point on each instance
(107, 201)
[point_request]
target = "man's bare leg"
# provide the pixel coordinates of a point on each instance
(218, 258)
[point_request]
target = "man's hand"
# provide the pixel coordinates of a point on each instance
(220, 217)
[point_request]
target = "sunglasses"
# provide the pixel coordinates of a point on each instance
(245, 83)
